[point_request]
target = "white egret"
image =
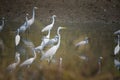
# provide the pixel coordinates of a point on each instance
(117, 64)
(17, 38)
(1, 26)
(84, 42)
(11, 67)
(117, 32)
(29, 61)
(49, 27)
(24, 26)
(51, 52)
(31, 21)
(117, 48)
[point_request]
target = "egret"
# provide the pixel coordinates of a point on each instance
(24, 26)
(49, 27)
(17, 38)
(117, 32)
(1, 26)
(117, 64)
(117, 48)
(31, 21)
(84, 42)
(51, 52)
(29, 61)
(11, 67)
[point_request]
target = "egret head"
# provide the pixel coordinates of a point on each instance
(100, 57)
(27, 14)
(35, 7)
(54, 16)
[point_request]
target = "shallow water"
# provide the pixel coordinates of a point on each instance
(101, 43)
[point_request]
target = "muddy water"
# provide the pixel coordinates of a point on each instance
(101, 43)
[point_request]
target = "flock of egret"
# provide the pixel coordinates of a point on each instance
(46, 40)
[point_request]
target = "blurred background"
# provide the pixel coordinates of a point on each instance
(95, 19)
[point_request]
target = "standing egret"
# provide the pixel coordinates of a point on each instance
(117, 48)
(24, 26)
(17, 38)
(1, 26)
(11, 67)
(51, 52)
(49, 27)
(84, 42)
(31, 21)
(117, 64)
(29, 61)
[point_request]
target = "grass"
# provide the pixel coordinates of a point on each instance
(101, 43)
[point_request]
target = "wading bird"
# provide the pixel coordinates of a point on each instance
(29, 61)
(84, 42)
(11, 67)
(117, 48)
(51, 52)
(24, 26)
(1, 26)
(17, 38)
(49, 27)
(31, 21)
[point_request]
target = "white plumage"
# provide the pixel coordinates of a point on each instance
(117, 32)
(117, 48)
(51, 52)
(17, 38)
(84, 42)
(49, 27)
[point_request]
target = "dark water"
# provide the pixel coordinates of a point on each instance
(101, 43)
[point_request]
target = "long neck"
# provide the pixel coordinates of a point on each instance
(53, 20)
(33, 16)
(59, 37)
(18, 60)
(34, 54)
(26, 18)
(48, 36)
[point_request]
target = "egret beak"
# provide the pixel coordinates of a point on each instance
(35, 7)
(63, 28)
